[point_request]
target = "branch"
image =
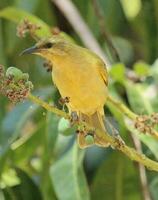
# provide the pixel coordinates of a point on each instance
(131, 115)
(122, 108)
(115, 142)
(142, 171)
(16, 86)
(48, 107)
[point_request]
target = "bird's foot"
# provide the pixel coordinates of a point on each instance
(74, 118)
(63, 101)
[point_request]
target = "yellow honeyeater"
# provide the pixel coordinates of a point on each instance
(79, 75)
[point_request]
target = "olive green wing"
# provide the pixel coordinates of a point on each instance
(103, 72)
(98, 64)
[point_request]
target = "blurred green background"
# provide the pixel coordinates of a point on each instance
(39, 157)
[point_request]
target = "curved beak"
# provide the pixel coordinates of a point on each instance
(30, 50)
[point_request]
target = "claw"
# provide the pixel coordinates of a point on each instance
(65, 100)
(74, 117)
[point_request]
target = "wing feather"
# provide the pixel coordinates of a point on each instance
(103, 72)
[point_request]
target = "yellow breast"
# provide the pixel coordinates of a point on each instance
(82, 83)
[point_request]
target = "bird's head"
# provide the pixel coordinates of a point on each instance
(49, 47)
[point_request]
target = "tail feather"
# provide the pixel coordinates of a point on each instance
(96, 120)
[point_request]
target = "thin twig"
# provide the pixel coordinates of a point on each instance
(75, 19)
(115, 142)
(131, 115)
(48, 107)
(103, 30)
(122, 108)
(142, 171)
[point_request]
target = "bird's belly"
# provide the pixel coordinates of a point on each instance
(87, 93)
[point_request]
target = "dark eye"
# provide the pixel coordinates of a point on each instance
(48, 45)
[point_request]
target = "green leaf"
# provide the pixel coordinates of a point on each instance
(13, 125)
(16, 119)
(68, 177)
(2, 195)
(124, 49)
(25, 147)
(153, 188)
(64, 124)
(17, 15)
(141, 68)
(9, 178)
(47, 188)
(27, 188)
(51, 134)
(117, 179)
(151, 143)
(51, 131)
(65, 128)
(137, 99)
(62, 144)
(131, 11)
(117, 72)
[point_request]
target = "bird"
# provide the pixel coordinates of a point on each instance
(81, 76)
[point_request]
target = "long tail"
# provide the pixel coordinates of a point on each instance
(96, 120)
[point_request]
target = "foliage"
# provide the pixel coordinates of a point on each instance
(39, 158)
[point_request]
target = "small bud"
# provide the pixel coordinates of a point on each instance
(56, 31)
(15, 73)
(25, 27)
(16, 85)
(25, 76)
(154, 119)
(29, 85)
(89, 139)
